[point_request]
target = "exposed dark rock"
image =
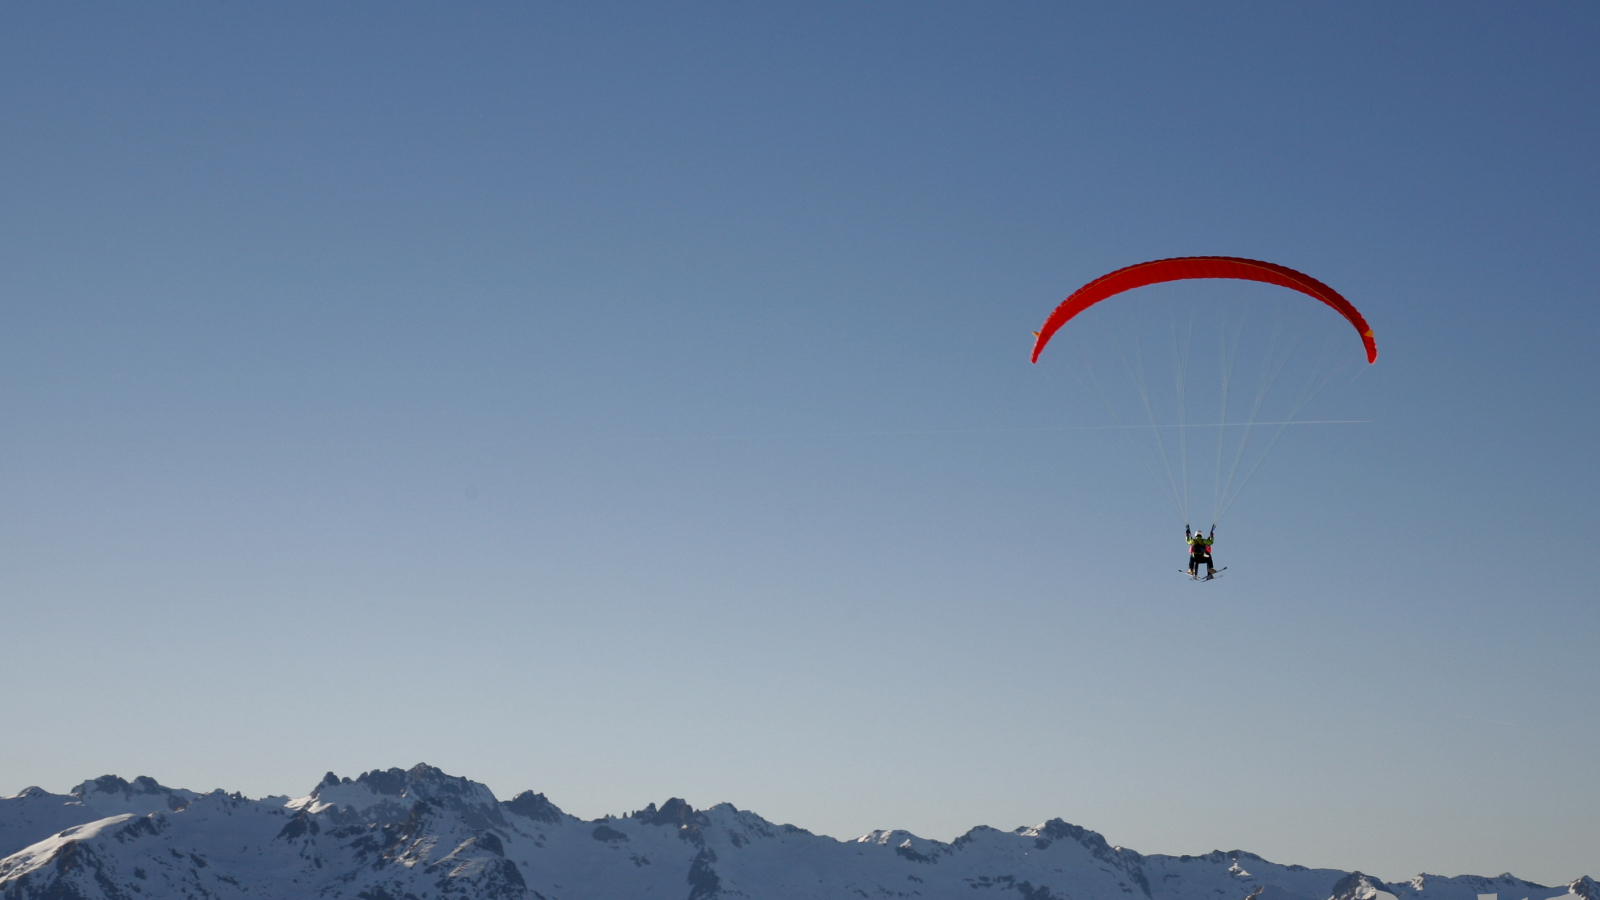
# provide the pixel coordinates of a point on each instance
(677, 813)
(105, 784)
(302, 824)
(1029, 892)
(703, 880)
(72, 856)
(1356, 886)
(905, 850)
(491, 843)
(534, 806)
(390, 782)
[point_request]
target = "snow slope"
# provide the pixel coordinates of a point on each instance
(411, 835)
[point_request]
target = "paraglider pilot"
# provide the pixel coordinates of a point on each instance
(1200, 551)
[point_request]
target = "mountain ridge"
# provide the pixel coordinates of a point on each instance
(420, 833)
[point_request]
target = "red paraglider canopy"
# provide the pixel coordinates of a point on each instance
(1186, 267)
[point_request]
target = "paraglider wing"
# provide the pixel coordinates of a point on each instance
(1186, 267)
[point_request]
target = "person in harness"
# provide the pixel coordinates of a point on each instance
(1200, 551)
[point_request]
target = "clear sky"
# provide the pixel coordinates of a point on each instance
(625, 401)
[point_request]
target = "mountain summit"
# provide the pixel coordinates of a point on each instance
(419, 834)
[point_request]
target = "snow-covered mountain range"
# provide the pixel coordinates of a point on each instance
(411, 835)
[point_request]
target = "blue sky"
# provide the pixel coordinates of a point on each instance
(629, 401)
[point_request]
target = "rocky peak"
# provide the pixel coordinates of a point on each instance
(1357, 886)
(110, 794)
(678, 814)
(675, 811)
(535, 806)
(1057, 830)
(395, 782)
(391, 795)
